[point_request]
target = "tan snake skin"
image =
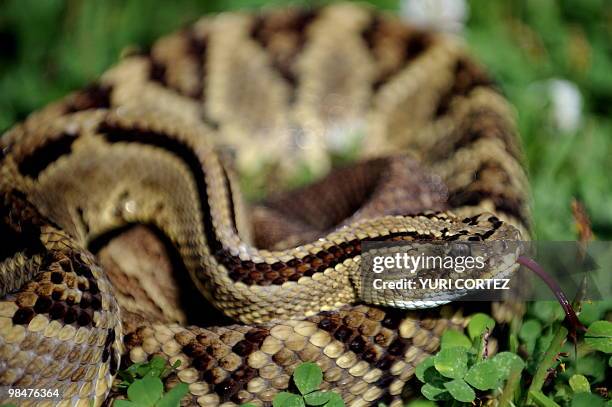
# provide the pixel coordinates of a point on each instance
(141, 147)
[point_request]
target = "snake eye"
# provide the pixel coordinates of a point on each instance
(460, 250)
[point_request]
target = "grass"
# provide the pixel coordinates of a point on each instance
(51, 47)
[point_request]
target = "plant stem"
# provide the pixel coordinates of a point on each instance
(514, 380)
(513, 338)
(541, 400)
(548, 362)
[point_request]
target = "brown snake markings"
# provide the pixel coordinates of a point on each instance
(152, 117)
(195, 49)
(247, 271)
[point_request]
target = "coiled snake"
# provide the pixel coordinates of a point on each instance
(141, 146)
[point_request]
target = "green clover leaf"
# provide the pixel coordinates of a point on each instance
(434, 393)
(483, 375)
(507, 362)
(599, 336)
(452, 339)
(146, 391)
(125, 403)
(579, 384)
(479, 323)
(423, 367)
(587, 400)
(286, 399)
(460, 390)
(335, 400)
(452, 362)
(530, 331)
(174, 396)
(317, 398)
(308, 377)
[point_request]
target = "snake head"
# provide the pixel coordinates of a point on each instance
(468, 256)
(486, 236)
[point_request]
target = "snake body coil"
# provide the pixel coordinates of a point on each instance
(141, 147)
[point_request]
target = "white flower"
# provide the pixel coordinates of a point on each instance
(440, 15)
(566, 104)
(341, 137)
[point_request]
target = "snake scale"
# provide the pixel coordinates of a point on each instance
(141, 146)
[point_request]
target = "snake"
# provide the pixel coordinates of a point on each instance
(109, 191)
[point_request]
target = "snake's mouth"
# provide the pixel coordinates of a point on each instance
(509, 259)
(508, 270)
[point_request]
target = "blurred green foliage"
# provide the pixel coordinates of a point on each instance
(49, 47)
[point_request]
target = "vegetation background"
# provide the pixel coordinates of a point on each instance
(553, 60)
